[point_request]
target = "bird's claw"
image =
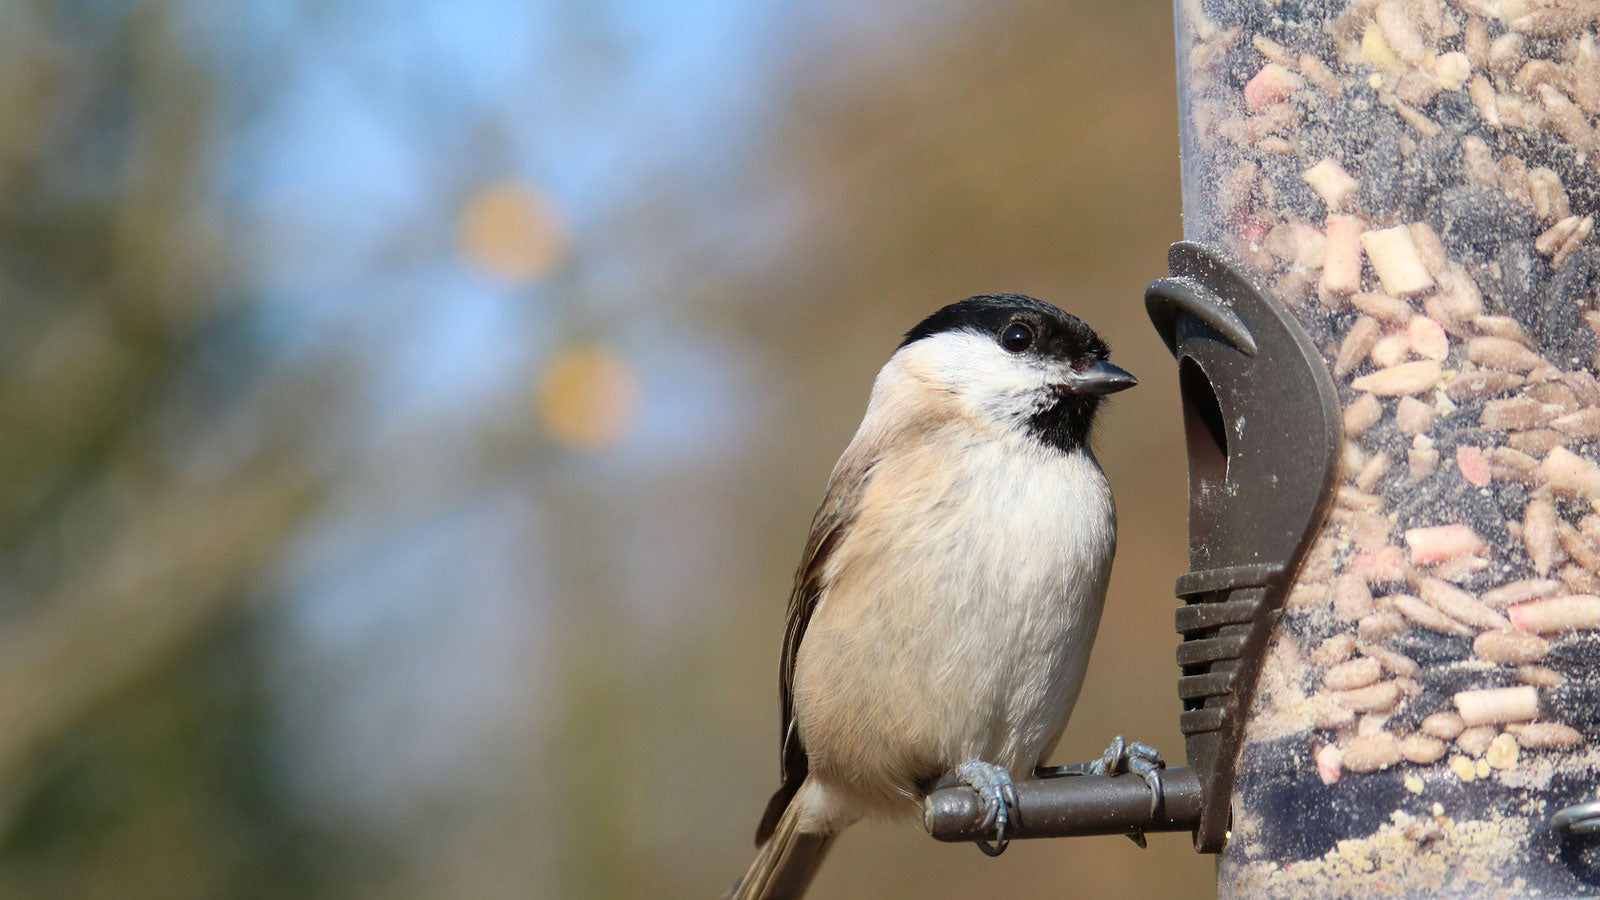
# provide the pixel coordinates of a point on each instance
(1121, 756)
(998, 795)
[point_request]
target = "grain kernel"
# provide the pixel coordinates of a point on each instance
(1392, 662)
(1421, 748)
(1379, 697)
(1444, 725)
(1412, 416)
(1352, 599)
(1547, 736)
(1568, 473)
(1540, 676)
(1355, 673)
(1521, 592)
(1502, 353)
(1460, 605)
(1539, 535)
(1371, 753)
(1362, 414)
(1334, 650)
(1475, 740)
(1428, 617)
(1509, 646)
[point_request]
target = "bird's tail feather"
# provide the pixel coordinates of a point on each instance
(785, 862)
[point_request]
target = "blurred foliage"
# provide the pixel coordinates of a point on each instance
(409, 419)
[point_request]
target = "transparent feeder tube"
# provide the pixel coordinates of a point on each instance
(1418, 181)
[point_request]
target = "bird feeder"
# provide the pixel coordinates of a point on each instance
(1385, 323)
(1411, 186)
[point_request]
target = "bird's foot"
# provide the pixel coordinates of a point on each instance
(1138, 758)
(995, 791)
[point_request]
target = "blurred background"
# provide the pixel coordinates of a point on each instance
(411, 413)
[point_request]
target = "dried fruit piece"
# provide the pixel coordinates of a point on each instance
(1585, 423)
(1482, 383)
(1473, 464)
(1272, 84)
(1332, 183)
(1515, 413)
(1381, 306)
(1452, 69)
(1372, 472)
(1567, 613)
(1578, 546)
(1330, 763)
(1392, 662)
(1540, 676)
(1341, 259)
(1492, 706)
(1548, 196)
(1586, 75)
(1441, 542)
(1428, 339)
(1391, 350)
(1561, 239)
(1394, 256)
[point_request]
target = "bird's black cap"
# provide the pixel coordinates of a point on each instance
(1059, 334)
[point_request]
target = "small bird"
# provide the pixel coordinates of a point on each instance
(951, 586)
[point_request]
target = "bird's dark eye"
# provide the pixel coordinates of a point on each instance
(1017, 337)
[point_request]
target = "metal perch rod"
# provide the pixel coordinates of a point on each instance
(1071, 807)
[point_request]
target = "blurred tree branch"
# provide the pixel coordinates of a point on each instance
(155, 591)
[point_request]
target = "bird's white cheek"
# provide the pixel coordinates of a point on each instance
(976, 371)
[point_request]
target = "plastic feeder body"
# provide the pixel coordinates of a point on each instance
(1386, 325)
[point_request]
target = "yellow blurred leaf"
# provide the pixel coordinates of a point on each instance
(586, 396)
(510, 230)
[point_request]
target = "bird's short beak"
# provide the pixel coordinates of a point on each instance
(1103, 378)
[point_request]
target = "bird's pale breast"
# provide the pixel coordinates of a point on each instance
(966, 635)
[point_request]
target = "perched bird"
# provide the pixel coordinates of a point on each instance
(944, 609)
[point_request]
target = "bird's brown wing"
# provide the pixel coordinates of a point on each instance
(828, 527)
